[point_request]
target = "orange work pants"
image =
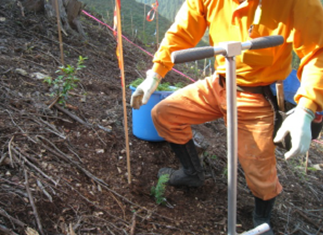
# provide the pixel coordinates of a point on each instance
(204, 101)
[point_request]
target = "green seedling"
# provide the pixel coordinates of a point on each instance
(214, 157)
(65, 81)
(158, 191)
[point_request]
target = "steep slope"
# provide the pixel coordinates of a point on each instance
(64, 169)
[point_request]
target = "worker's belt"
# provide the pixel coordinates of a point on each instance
(255, 89)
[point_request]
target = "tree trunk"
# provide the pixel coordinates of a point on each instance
(69, 11)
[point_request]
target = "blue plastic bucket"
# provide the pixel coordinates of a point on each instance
(142, 123)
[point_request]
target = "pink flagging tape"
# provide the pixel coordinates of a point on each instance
(317, 141)
(147, 52)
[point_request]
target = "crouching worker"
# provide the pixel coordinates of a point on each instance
(298, 22)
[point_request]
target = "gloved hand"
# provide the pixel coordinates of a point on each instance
(145, 89)
(298, 125)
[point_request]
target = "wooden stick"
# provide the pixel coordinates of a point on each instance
(12, 219)
(53, 102)
(157, 29)
(280, 95)
(59, 32)
(31, 200)
(306, 162)
(9, 150)
(121, 64)
(6, 230)
(133, 224)
(76, 118)
(32, 165)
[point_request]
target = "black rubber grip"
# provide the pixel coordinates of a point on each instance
(265, 42)
(192, 54)
(199, 53)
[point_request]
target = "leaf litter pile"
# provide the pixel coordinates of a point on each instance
(63, 167)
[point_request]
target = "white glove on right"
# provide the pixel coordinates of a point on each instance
(298, 125)
(145, 89)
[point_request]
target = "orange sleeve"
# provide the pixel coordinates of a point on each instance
(308, 45)
(186, 32)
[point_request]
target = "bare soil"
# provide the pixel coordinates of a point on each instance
(64, 169)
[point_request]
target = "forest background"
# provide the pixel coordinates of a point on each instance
(137, 27)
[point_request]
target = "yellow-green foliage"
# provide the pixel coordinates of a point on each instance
(159, 191)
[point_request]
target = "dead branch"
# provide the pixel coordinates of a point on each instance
(83, 218)
(120, 205)
(9, 150)
(3, 157)
(173, 228)
(12, 219)
(22, 9)
(53, 102)
(31, 200)
(7, 231)
(94, 204)
(29, 138)
(69, 160)
(75, 154)
(40, 185)
(55, 41)
(76, 118)
(135, 204)
(56, 151)
(33, 166)
(133, 224)
(307, 219)
(318, 231)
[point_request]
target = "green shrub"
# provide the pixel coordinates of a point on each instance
(66, 81)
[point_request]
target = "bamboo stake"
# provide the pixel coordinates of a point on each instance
(121, 64)
(131, 21)
(157, 29)
(59, 32)
(306, 162)
(144, 22)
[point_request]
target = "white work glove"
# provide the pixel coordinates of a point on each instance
(298, 125)
(145, 89)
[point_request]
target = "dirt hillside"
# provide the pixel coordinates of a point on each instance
(63, 170)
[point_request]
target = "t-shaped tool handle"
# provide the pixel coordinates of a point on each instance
(199, 53)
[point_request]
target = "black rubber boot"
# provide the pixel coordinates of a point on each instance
(191, 173)
(262, 213)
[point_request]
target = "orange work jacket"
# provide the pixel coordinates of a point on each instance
(300, 22)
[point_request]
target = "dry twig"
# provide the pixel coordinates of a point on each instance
(31, 200)
(7, 231)
(12, 219)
